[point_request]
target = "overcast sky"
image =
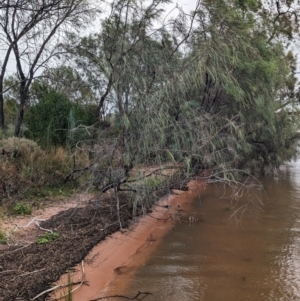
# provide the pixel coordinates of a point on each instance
(187, 5)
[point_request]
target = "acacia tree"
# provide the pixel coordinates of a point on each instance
(30, 32)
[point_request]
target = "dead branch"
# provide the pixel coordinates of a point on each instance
(9, 252)
(152, 173)
(35, 220)
(83, 281)
(63, 286)
(29, 273)
(161, 219)
(121, 296)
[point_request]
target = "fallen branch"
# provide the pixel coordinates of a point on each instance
(161, 219)
(121, 296)
(29, 273)
(55, 288)
(71, 284)
(14, 250)
(8, 271)
(152, 173)
(35, 220)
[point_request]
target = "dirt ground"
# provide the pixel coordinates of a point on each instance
(28, 270)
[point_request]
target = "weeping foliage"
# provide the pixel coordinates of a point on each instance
(214, 93)
(221, 109)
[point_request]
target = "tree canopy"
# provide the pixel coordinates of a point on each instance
(213, 87)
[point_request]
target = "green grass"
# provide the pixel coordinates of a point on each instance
(153, 181)
(22, 208)
(63, 191)
(69, 295)
(48, 237)
(3, 239)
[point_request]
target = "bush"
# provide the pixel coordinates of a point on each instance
(22, 208)
(11, 107)
(48, 237)
(24, 166)
(20, 150)
(3, 240)
(7, 132)
(50, 120)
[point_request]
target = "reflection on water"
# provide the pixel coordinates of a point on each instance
(217, 260)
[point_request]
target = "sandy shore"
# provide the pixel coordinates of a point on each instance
(123, 252)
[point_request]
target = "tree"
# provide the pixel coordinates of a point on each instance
(31, 32)
(52, 118)
(64, 80)
(123, 60)
(210, 92)
(233, 82)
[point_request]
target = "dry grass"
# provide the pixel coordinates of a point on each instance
(25, 166)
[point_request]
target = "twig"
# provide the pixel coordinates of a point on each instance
(29, 273)
(8, 271)
(161, 219)
(35, 220)
(109, 226)
(121, 296)
(55, 288)
(77, 287)
(14, 250)
(47, 291)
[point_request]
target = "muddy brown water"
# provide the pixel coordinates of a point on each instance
(217, 259)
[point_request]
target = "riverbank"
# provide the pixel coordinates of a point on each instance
(28, 270)
(123, 252)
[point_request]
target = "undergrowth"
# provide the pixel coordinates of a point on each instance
(48, 237)
(28, 171)
(22, 208)
(3, 239)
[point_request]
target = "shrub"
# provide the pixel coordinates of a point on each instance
(50, 120)
(22, 208)
(3, 240)
(20, 150)
(7, 132)
(24, 165)
(48, 237)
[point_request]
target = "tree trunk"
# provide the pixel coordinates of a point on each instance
(20, 117)
(1, 108)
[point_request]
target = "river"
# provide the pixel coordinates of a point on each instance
(216, 258)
